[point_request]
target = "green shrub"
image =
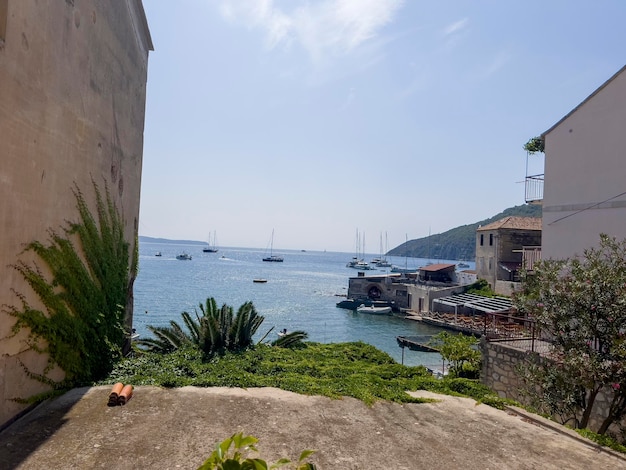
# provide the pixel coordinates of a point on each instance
(223, 458)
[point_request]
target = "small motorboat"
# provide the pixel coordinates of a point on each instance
(372, 309)
(283, 332)
(259, 281)
(183, 256)
(158, 253)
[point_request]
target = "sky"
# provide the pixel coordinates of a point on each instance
(321, 119)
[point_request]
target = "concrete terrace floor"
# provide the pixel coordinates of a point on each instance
(178, 428)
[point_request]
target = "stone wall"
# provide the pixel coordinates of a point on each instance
(500, 362)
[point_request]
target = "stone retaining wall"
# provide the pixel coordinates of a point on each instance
(500, 362)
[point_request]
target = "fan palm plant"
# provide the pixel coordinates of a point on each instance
(213, 330)
(294, 339)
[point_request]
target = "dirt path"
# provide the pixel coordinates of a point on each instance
(178, 429)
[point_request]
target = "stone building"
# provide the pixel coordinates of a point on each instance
(499, 247)
(72, 107)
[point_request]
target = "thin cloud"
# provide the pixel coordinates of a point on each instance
(328, 28)
(495, 65)
(455, 27)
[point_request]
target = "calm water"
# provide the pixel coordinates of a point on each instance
(300, 294)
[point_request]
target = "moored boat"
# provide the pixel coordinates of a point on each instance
(374, 310)
(272, 257)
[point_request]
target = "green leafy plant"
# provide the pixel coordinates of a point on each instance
(337, 370)
(84, 292)
(481, 287)
(534, 145)
(223, 458)
(580, 304)
(460, 351)
(213, 330)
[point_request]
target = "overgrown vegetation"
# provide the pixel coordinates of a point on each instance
(354, 369)
(461, 353)
(481, 287)
(222, 458)
(581, 304)
(81, 327)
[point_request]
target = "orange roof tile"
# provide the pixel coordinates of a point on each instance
(514, 222)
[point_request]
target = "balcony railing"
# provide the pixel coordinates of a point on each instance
(534, 188)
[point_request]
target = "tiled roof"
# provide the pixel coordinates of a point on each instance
(438, 267)
(512, 222)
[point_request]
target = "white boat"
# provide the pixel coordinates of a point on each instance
(259, 281)
(373, 309)
(356, 263)
(183, 256)
(463, 265)
(272, 257)
(283, 332)
(381, 261)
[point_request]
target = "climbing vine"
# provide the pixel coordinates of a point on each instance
(84, 294)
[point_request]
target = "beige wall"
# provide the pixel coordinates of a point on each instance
(72, 103)
(585, 165)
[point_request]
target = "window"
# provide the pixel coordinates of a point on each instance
(491, 239)
(481, 239)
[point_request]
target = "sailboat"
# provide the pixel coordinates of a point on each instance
(356, 262)
(211, 248)
(272, 257)
(382, 261)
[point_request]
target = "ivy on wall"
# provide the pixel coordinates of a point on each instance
(84, 294)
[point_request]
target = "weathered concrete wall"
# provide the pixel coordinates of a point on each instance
(506, 288)
(499, 373)
(72, 107)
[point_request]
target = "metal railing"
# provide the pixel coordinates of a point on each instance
(517, 332)
(534, 188)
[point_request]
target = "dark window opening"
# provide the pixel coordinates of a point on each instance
(491, 239)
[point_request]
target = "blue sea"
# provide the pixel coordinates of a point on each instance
(300, 294)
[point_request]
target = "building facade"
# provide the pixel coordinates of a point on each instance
(584, 193)
(72, 107)
(499, 247)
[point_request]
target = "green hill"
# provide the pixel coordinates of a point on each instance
(459, 242)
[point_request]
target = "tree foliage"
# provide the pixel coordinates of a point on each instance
(213, 330)
(460, 351)
(581, 304)
(534, 145)
(83, 292)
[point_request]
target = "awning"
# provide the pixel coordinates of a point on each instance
(477, 302)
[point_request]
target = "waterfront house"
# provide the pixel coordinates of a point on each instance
(412, 291)
(499, 250)
(73, 80)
